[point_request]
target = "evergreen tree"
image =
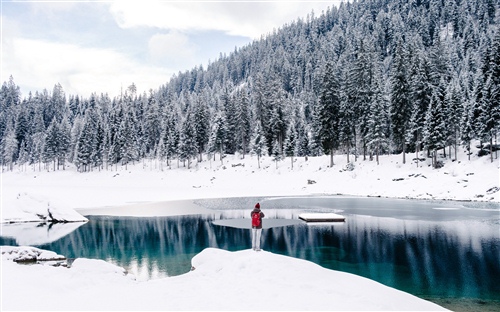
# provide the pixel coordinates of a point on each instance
(277, 121)
(420, 92)
(244, 121)
(466, 125)
(347, 122)
(259, 144)
(376, 135)
(22, 125)
(434, 130)
(453, 103)
(9, 148)
(302, 140)
(328, 112)
(187, 139)
(85, 146)
(152, 124)
(51, 146)
(230, 121)
(202, 126)
(37, 140)
(218, 135)
(126, 139)
(276, 153)
(400, 99)
(291, 143)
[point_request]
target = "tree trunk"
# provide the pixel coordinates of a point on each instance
(496, 151)
(491, 148)
(331, 157)
(347, 152)
(355, 146)
(404, 153)
(364, 150)
(416, 153)
(468, 150)
(456, 149)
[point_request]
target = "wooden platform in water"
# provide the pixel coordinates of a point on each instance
(321, 217)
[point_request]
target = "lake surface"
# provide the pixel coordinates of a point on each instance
(446, 252)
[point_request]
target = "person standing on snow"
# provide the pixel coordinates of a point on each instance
(257, 216)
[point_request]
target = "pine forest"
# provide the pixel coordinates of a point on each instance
(364, 79)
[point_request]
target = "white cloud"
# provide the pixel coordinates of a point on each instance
(172, 48)
(242, 18)
(36, 65)
(74, 59)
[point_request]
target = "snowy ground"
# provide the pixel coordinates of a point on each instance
(222, 280)
(27, 194)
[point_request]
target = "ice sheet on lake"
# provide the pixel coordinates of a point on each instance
(36, 234)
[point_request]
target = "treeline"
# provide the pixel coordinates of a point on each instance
(364, 79)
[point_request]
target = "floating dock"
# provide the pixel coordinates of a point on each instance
(321, 217)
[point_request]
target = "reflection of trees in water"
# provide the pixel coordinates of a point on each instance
(422, 257)
(150, 242)
(431, 258)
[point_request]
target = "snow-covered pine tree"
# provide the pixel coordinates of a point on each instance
(230, 122)
(85, 146)
(378, 120)
(291, 144)
(98, 152)
(277, 121)
(51, 146)
(434, 129)
(420, 93)
(8, 148)
(258, 144)
(400, 98)
(37, 139)
(187, 139)
(489, 103)
(360, 86)
(244, 121)
(276, 152)
(173, 138)
(126, 139)
(453, 107)
(151, 123)
(347, 132)
(202, 125)
(329, 112)
(22, 125)
(218, 134)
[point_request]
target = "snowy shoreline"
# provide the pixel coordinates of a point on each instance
(280, 283)
(29, 195)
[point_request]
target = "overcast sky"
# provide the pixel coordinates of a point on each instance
(104, 46)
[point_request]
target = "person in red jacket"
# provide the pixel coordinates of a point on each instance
(257, 216)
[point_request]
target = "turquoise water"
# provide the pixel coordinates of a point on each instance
(446, 252)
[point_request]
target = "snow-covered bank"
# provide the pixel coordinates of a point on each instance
(221, 280)
(26, 194)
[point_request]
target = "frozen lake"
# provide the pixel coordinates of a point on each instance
(447, 252)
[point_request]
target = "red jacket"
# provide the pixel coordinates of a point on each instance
(256, 210)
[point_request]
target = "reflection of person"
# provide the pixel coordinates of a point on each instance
(257, 216)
